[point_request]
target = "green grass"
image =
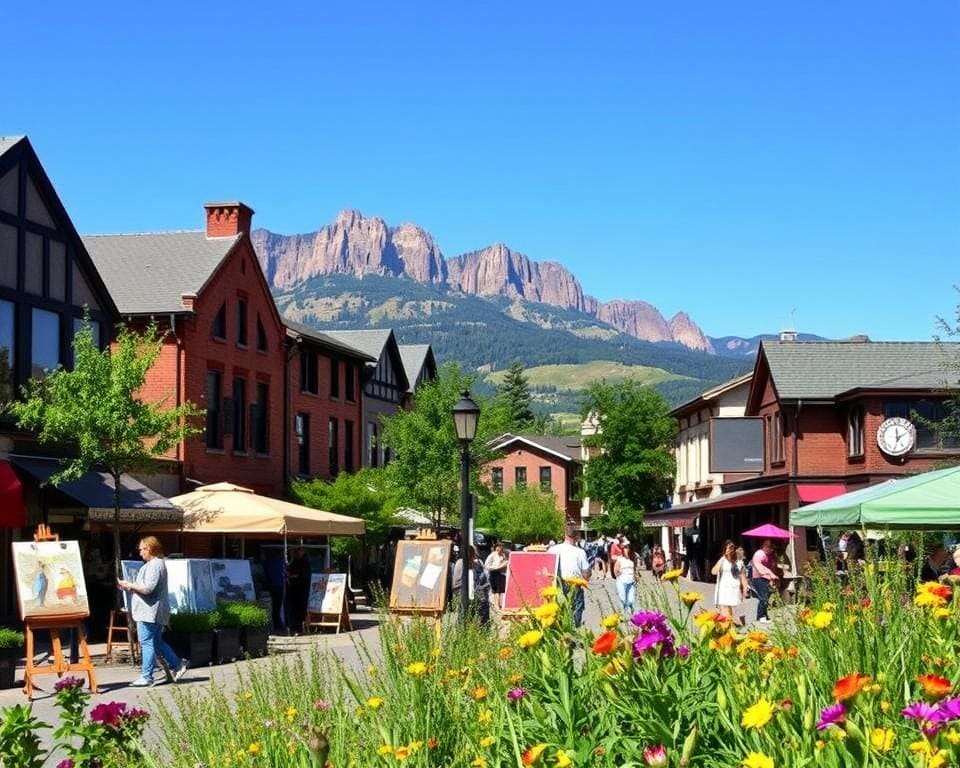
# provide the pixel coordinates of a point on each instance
(579, 376)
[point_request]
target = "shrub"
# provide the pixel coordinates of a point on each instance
(189, 623)
(10, 638)
(241, 614)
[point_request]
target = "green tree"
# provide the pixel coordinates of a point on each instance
(96, 409)
(948, 428)
(633, 470)
(364, 494)
(514, 392)
(522, 515)
(426, 467)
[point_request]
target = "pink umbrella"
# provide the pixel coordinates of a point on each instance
(769, 531)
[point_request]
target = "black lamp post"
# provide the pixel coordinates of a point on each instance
(466, 414)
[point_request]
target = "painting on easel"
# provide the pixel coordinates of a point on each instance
(49, 577)
(420, 576)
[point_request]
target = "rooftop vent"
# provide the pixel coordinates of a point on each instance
(788, 334)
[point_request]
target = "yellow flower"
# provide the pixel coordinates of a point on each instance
(416, 668)
(374, 702)
(953, 736)
(246, 695)
(758, 715)
(548, 593)
(401, 753)
(690, 599)
(757, 760)
(505, 653)
(479, 693)
(941, 613)
(820, 619)
(385, 749)
(546, 614)
(533, 754)
(435, 653)
(486, 741)
(881, 739)
(254, 748)
(530, 639)
(515, 678)
(372, 670)
(576, 581)
(672, 575)
(290, 714)
(611, 621)
(563, 760)
(485, 716)
(479, 762)
(413, 746)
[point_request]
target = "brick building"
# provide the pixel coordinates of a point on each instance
(553, 463)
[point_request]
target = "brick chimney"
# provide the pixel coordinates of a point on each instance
(227, 219)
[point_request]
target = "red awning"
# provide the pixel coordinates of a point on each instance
(811, 493)
(13, 513)
(672, 519)
(684, 514)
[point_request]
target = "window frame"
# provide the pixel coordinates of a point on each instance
(334, 378)
(549, 483)
(214, 414)
(309, 368)
(333, 446)
(242, 322)
(218, 327)
(301, 431)
(496, 479)
(855, 432)
(520, 477)
(239, 415)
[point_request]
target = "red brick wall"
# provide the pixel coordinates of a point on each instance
(525, 456)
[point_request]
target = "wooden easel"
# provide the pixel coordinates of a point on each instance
(339, 621)
(434, 612)
(54, 624)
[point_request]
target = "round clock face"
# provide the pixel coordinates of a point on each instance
(896, 436)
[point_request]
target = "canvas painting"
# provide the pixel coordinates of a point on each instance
(130, 570)
(318, 586)
(232, 580)
(420, 575)
(527, 574)
(334, 593)
(49, 577)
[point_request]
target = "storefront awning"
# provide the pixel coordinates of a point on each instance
(94, 490)
(810, 494)
(755, 497)
(13, 512)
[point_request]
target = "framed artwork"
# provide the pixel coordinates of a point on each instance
(49, 576)
(327, 591)
(130, 569)
(420, 575)
(232, 580)
(527, 574)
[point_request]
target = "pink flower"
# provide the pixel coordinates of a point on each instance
(929, 719)
(110, 715)
(832, 715)
(321, 704)
(656, 757)
(515, 694)
(65, 683)
(683, 651)
(66, 763)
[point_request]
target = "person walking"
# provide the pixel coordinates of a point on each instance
(658, 561)
(624, 569)
(573, 564)
(764, 578)
(150, 608)
(496, 565)
(298, 590)
(615, 551)
(478, 588)
(731, 581)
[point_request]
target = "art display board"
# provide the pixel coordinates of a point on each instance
(420, 576)
(49, 576)
(191, 583)
(232, 580)
(327, 591)
(527, 574)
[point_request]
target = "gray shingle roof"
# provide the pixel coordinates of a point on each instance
(7, 142)
(370, 341)
(565, 446)
(324, 339)
(148, 273)
(822, 370)
(414, 357)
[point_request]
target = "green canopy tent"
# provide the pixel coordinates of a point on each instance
(930, 500)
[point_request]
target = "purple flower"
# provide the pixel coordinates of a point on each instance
(832, 715)
(683, 651)
(515, 694)
(110, 714)
(652, 638)
(135, 714)
(655, 757)
(68, 683)
(66, 763)
(947, 710)
(928, 718)
(648, 619)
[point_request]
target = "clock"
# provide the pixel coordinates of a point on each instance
(896, 436)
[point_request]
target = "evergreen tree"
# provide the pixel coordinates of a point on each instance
(514, 392)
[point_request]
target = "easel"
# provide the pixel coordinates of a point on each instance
(339, 621)
(54, 624)
(433, 612)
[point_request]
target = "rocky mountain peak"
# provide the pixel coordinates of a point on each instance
(685, 331)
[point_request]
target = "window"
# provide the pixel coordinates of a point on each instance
(546, 483)
(372, 453)
(261, 336)
(7, 378)
(333, 445)
(927, 416)
(218, 329)
(239, 414)
(520, 477)
(308, 371)
(301, 427)
(258, 426)
(45, 351)
(348, 446)
(855, 432)
(334, 377)
(351, 383)
(242, 322)
(214, 432)
(496, 479)
(776, 438)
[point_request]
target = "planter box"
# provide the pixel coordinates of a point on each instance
(9, 658)
(227, 645)
(195, 647)
(254, 641)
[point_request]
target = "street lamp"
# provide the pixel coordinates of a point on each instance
(466, 413)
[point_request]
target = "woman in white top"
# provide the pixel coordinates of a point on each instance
(731, 581)
(496, 565)
(623, 569)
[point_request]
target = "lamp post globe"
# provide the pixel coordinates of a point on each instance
(466, 414)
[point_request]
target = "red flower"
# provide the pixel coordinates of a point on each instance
(606, 643)
(849, 686)
(935, 686)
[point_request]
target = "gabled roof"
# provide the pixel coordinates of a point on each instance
(375, 342)
(566, 448)
(823, 370)
(148, 273)
(8, 142)
(295, 329)
(711, 394)
(415, 357)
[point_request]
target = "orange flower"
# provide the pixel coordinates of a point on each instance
(606, 643)
(934, 686)
(432, 743)
(849, 686)
(533, 754)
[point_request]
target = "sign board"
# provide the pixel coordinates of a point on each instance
(327, 591)
(420, 576)
(527, 574)
(49, 577)
(736, 444)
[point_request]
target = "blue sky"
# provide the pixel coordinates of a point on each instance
(748, 163)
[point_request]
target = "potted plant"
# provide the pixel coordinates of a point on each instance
(11, 651)
(191, 635)
(253, 620)
(227, 634)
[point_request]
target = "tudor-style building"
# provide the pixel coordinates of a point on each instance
(385, 386)
(420, 366)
